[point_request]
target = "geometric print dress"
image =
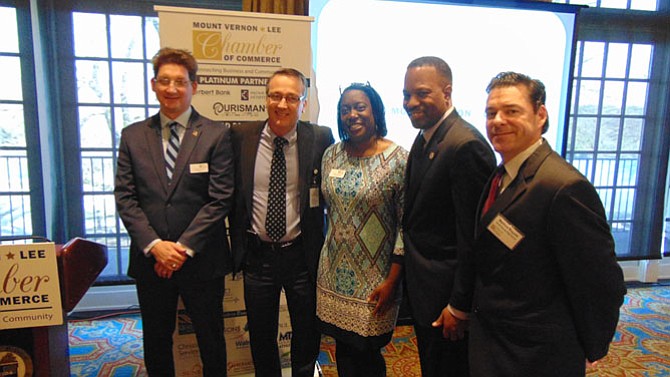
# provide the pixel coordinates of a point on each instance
(364, 198)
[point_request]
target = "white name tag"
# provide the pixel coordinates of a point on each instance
(507, 233)
(313, 197)
(200, 168)
(337, 173)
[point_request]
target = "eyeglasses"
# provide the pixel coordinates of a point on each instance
(291, 99)
(178, 83)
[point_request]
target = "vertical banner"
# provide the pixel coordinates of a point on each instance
(236, 53)
(29, 286)
(186, 353)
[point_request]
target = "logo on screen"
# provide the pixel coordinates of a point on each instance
(207, 45)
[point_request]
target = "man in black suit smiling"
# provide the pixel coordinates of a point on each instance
(447, 169)
(548, 286)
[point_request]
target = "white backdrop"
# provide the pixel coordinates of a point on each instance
(374, 40)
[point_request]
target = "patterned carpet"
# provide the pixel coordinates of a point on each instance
(107, 346)
(641, 347)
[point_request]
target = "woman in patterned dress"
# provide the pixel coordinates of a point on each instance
(358, 284)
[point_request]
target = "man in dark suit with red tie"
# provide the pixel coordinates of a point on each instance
(548, 287)
(173, 189)
(447, 169)
(277, 229)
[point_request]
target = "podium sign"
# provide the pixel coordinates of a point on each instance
(29, 286)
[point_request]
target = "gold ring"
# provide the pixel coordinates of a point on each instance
(174, 265)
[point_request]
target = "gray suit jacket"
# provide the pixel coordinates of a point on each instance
(442, 188)
(190, 210)
(312, 142)
(553, 301)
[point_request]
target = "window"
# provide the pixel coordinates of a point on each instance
(21, 194)
(616, 4)
(607, 121)
(15, 219)
(615, 132)
(113, 68)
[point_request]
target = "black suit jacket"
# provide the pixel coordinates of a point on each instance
(442, 188)
(312, 142)
(553, 301)
(190, 210)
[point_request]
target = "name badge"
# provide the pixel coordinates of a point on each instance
(337, 173)
(313, 197)
(505, 231)
(200, 168)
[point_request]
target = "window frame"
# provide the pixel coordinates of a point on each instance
(633, 26)
(32, 135)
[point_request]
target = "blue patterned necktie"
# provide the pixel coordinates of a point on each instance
(275, 221)
(172, 150)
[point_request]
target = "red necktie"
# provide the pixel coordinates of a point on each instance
(493, 190)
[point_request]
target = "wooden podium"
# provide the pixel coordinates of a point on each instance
(79, 263)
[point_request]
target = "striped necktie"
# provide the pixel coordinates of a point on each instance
(172, 150)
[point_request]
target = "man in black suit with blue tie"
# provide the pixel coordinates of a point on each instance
(173, 189)
(548, 287)
(447, 169)
(277, 228)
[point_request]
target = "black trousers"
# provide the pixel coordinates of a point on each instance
(440, 357)
(355, 362)
(266, 273)
(203, 301)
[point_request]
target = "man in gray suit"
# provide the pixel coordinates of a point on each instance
(548, 286)
(447, 169)
(277, 244)
(173, 189)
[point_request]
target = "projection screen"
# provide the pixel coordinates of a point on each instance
(374, 40)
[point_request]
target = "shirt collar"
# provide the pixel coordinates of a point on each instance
(512, 167)
(181, 119)
(291, 136)
(429, 132)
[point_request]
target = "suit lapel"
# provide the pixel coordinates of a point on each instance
(249, 150)
(517, 187)
(484, 195)
(411, 177)
(187, 145)
(154, 141)
(305, 156)
(422, 158)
